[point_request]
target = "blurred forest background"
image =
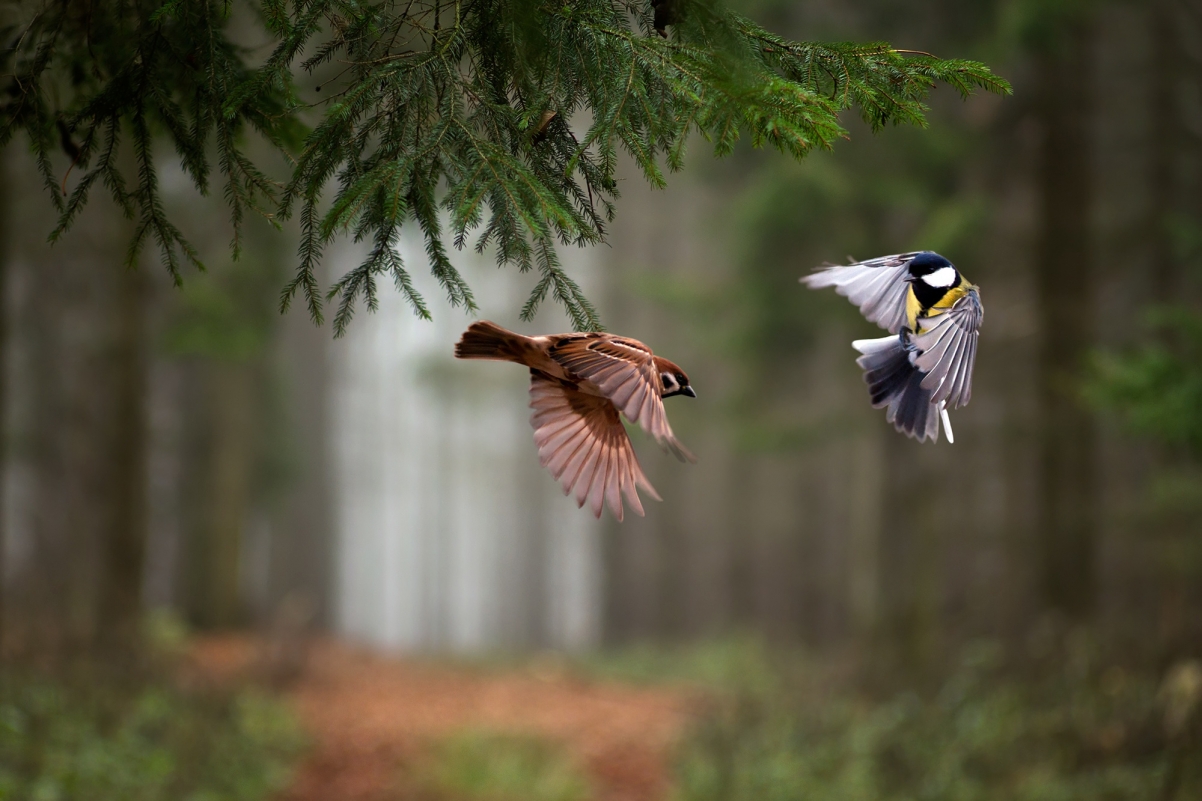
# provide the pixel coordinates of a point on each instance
(1015, 616)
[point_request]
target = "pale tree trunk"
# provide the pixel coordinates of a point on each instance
(1066, 524)
(302, 542)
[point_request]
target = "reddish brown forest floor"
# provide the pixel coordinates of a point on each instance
(368, 716)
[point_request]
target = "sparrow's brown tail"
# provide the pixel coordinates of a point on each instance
(485, 340)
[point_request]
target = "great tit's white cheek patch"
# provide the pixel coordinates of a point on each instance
(941, 278)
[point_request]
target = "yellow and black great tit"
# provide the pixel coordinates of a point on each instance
(933, 315)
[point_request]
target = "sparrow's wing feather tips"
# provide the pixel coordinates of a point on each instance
(583, 444)
(947, 350)
(624, 371)
(876, 286)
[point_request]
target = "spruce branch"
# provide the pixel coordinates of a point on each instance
(490, 124)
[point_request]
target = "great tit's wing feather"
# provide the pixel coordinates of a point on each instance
(947, 349)
(962, 389)
(582, 442)
(940, 359)
(877, 286)
(625, 373)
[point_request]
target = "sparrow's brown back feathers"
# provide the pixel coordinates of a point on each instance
(578, 385)
(629, 374)
(485, 340)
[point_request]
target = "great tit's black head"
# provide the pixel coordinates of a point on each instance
(933, 270)
(674, 380)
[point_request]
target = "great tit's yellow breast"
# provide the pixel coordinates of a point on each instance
(913, 308)
(950, 297)
(914, 311)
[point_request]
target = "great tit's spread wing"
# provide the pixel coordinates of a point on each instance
(946, 349)
(877, 286)
(624, 371)
(582, 442)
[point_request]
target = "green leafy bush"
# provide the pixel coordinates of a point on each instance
(67, 739)
(1069, 729)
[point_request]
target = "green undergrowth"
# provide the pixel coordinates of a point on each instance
(734, 664)
(1072, 726)
(97, 735)
(489, 766)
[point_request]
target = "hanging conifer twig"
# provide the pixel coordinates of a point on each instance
(500, 118)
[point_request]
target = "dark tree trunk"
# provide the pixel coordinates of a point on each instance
(1166, 139)
(5, 256)
(124, 529)
(1175, 169)
(1066, 525)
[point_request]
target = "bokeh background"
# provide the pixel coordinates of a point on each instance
(356, 582)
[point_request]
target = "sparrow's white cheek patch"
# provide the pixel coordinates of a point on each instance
(943, 277)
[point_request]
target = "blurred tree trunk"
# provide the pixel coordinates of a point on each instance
(224, 326)
(301, 557)
(906, 617)
(1066, 524)
(1166, 140)
(1175, 184)
(866, 508)
(229, 464)
(5, 257)
(52, 587)
(82, 320)
(123, 547)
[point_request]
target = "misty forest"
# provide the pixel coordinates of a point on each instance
(263, 537)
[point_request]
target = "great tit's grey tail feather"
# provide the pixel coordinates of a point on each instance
(894, 382)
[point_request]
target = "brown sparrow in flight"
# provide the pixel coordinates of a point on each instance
(578, 384)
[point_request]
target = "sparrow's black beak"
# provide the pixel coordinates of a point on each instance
(688, 391)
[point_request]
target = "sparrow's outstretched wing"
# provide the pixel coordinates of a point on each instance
(946, 349)
(624, 371)
(581, 440)
(878, 286)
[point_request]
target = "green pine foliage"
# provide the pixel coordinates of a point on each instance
(101, 81)
(486, 123)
